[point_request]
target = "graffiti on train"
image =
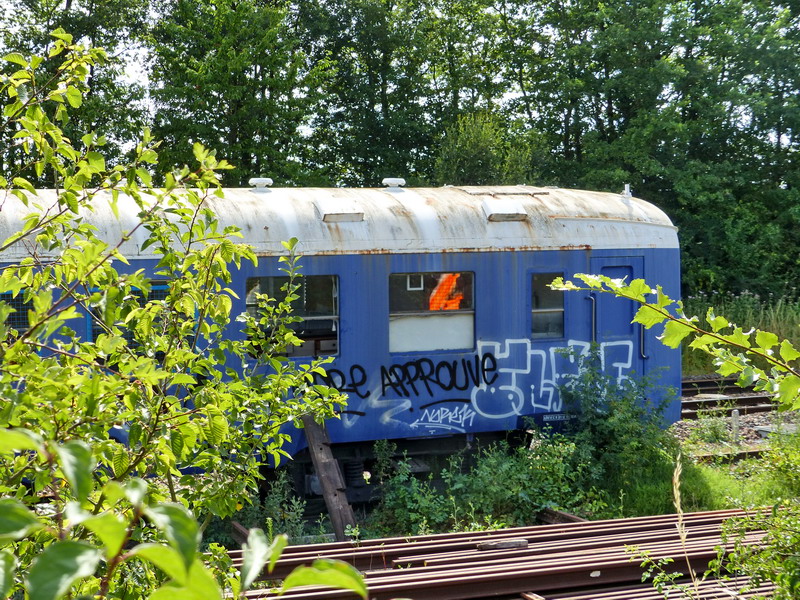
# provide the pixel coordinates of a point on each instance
(503, 380)
(456, 417)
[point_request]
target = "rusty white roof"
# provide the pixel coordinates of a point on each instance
(404, 220)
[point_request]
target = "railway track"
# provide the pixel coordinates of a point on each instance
(721, 395)
(577, 560)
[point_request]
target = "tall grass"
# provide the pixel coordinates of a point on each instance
(780, 315)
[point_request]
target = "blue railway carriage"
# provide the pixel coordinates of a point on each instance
(434, 302)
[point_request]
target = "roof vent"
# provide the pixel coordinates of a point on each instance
(504, 209)
(627, 190)
(339, 210)
(394, 182)
(260, 183)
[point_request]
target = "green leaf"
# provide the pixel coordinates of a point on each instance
(276, 549)
(134, 434)
(16, 58)
(165, 558)
(788, 352)
(648, 316)
(96, 161)
(77, 463)
(74, 96)
(176, 443)
(24, 184)
(738, 337)
(662, 300)
(716, 323)
(593, 281)
(180, 528)
(216, 426)
(136, 491)
(330, 573)
(183, 379)
(789, 392)
(638, 289)
(202, 582)
(62, 35)
(7, 566)
(16, 521)
(110, 530)
(703, 342)
(766, 339)
(19, 440)
(727, 368)
(59, 566)
(174, 592)
(256, 552)
(675, 332)
(120, 461)
(200, 585)
(747, 377)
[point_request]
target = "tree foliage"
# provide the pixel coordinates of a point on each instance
(230, 74)
(695, 104)
(81, 512)
(113, 100)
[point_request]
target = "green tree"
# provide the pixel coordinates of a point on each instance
(81, 513)
(374, 122)
(112, 100)
(231, 74)
(477, 150)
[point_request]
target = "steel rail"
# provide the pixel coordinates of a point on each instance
(706, 589)
(546, 547)
(592, 554)
(381, 555)
(466, 584)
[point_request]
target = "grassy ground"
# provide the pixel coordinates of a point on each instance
(780, 315)
(762, 481)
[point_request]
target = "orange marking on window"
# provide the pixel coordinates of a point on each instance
(445, 296)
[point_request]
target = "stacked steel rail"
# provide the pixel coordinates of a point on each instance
(721, 395)
(541, 561)
(735, 588)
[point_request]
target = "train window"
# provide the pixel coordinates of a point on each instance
(17, 320)
(317, 305)
(548, 307)
(431, 311)
(159, 290)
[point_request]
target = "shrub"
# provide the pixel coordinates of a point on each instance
(617, 425)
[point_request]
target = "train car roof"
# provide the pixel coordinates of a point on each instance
(402, 220)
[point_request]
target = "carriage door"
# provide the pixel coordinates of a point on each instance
(621, 341)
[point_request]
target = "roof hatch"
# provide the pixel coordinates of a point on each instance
(339, 210)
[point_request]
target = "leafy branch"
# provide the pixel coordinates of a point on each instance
(758, 357)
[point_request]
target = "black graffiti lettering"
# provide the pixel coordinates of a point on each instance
(358, 377)
(337, 379)
(411, 373)
(426, 370)
(408, 378)
(400, 375)
(463, 371)
(417, 377)
(489, 365)
(389, 380)
(450, 373)
(474, 371)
